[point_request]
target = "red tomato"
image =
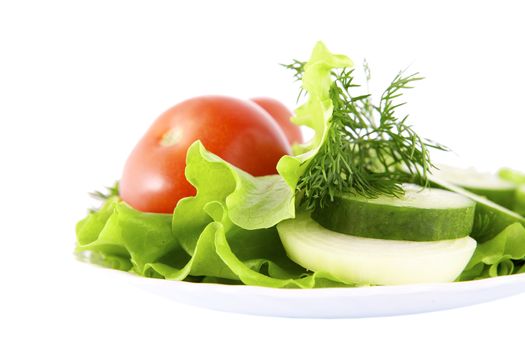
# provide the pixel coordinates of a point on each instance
(282, 115)
(235, 130)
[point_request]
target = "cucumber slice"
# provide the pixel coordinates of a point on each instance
(361, 260)
(517, 178)
(488, 185)
(490, 218)
(420, 215)
(520, 200)
(514, 176)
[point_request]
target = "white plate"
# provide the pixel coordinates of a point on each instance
(334, 302)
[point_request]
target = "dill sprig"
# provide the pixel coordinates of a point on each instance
(368, 151)
(102, 196)
(298, 68)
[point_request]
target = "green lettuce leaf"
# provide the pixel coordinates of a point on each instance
(251, 202)
(228, 228)
(226, 232)
(88, 229)
(118, 232)
(315, 113)
(502, 255)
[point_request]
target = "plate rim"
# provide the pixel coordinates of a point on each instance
(351, 302)
(486, 283)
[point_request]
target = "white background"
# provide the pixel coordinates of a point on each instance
(81, 81)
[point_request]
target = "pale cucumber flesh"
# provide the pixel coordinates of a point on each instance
(420, 215)
(359, 260)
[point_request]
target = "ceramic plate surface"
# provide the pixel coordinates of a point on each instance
(333, 302)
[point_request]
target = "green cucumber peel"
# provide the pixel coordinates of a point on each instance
(491, 186)
(490, 218)
(227, 233)
(517, 178)
(421, 215)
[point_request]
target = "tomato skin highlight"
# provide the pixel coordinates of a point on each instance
(282, 115)
(236, 130)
